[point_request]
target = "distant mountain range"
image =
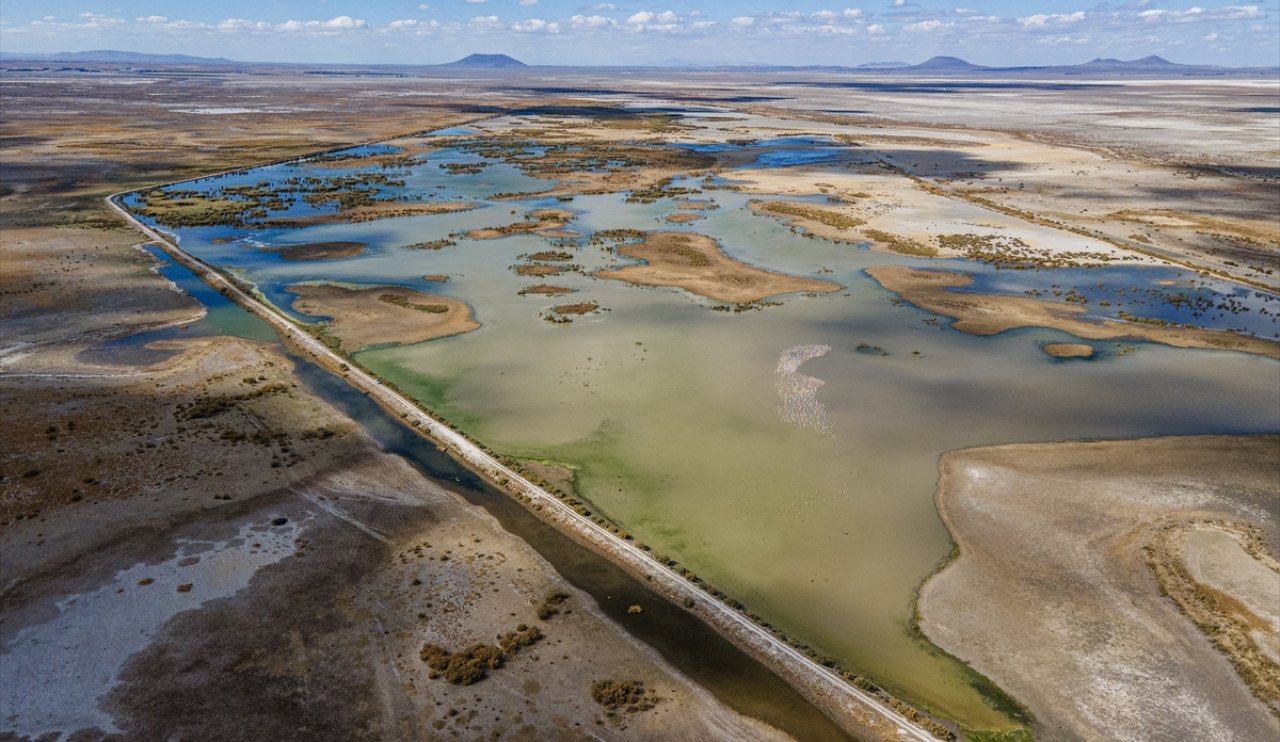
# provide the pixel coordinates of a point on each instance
(942, 65)
(487, 61)
(113, 57)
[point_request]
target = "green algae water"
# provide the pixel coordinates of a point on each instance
(787, 454)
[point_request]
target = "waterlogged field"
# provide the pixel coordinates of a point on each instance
(785, 451)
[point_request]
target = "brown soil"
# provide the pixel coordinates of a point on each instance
(982, 314)
(431, 245)
(696, 264)
(580, 308)
(1069, 350)
(362, 317)
(684, 217)
(1055, 542)
(541, 269)
(547, 290)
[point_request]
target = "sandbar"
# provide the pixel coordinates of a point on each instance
(335, 250)
(586, 307)
(984, 314)
(1069, 350)
(383, 314)
(695, 263)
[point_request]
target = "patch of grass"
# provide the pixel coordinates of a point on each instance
(1012, 735)
(551, 605)
(809, 213)
(627, 695)
(466, 667)
(900, 244)
(523, 636)
(431, 245)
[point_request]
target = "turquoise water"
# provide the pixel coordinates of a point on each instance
(813, 507)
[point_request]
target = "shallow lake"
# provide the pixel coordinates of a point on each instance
(805, 491)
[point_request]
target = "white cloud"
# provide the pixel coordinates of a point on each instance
(1244, 11)
(852, 12)
(236, 25)
(664, 22)
(341, 23)
(592, 21)
(1042, 20)
(477, 2)
(527, 3)
(161, 22)
(1197, 13)
(876, 29)
(424, 6)
(929, 25)
(743, 21)
(899, 3)
(535, 25)
(604, 6)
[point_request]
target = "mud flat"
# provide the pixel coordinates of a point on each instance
(696, 263)
(1058, 591)
(984, 314)
(335, 250)
(383, 314)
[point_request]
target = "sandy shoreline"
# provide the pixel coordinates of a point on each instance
(1053, 594)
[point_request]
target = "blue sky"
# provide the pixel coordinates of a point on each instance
(994, 32)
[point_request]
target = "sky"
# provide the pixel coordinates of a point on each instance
(991, 32)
